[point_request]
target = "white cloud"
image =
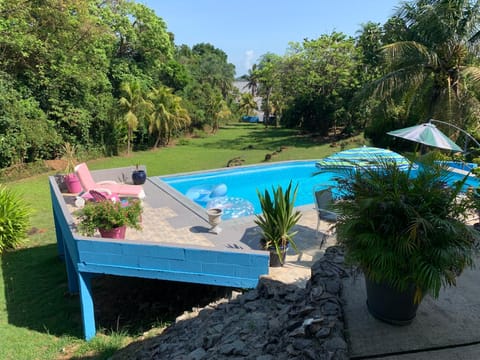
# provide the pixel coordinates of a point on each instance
(249, 54)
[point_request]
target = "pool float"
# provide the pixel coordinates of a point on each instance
(233, 207)
(205, 193)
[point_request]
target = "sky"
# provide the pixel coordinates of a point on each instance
(247, 29)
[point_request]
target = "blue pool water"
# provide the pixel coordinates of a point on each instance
(235, 189)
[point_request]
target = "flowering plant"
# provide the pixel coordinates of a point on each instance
(108, 215)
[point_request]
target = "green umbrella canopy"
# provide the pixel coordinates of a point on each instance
(426, 134)
(364, 156)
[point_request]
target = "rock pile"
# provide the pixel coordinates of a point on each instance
(273, 321)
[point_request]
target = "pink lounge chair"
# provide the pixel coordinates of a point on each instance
(98, 196)
(108, 187)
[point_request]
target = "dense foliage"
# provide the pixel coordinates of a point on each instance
(107, 76)
(405, 228)
(14, 219)
(420, 64)
(102, 75)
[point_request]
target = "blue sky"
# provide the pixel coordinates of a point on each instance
(247, 29)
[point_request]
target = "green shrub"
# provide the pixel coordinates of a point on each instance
(14, 219)
(183, 142)
(108, 215)
(406, 230)
(278, 217)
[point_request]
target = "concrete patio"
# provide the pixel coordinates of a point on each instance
(447, 328)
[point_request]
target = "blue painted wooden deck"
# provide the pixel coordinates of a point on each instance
(229, 262)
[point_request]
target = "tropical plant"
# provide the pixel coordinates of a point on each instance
(268, 75)
(167, 116)
(109, 215)
(14, 219)
(252, 80)
(318, 78)
(433, 72)
(278, 217)
(247, 104)
(134, 108)
(406, 230)
(69, 155)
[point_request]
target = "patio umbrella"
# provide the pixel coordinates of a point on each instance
(426, 134)
(365, 156)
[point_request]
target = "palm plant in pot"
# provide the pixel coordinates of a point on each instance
(70, 178)
(406, 231)
(110, 218)
(276, 221)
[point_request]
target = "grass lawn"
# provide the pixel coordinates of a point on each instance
(38, 318)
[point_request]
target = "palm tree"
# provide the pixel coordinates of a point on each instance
(252, 80)
(223, 113)
(432, 72)
(133, 105)
(167, 116)
(247, 104)
(267, 76)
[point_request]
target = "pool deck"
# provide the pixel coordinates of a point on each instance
(175, 244)
(446, 328)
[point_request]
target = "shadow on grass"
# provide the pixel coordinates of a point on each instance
(135, 305)
(35, 292)
(267, 139)
(37, 297)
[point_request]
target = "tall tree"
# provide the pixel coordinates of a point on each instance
(167, 115)
(318, 80)
(211, 76)
(134, 108)
(247, 104)
(369, 40)
(433, 73)
(267, 74)
(252, 79)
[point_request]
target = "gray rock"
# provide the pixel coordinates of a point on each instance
(197, 354)
(274, 321)
(236, 348)
(265, 357)
(336, 343)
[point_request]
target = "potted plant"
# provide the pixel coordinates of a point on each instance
(475, 193)
(139, 176)
(70, 179)
(110, 218)
(406, 231)
(276, 221)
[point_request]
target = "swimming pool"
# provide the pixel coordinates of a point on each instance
(235, 189)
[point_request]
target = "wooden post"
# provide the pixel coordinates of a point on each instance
(86, 304)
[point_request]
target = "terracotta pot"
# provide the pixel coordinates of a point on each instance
(115, 233)
(73, 184)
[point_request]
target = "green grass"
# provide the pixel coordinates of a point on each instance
(38, 318)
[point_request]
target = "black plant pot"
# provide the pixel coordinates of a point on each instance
(139, 177)
(476, 226)
(390, 305)
(275, 259)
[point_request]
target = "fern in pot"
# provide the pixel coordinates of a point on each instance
(277, 220)
(407, 232)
